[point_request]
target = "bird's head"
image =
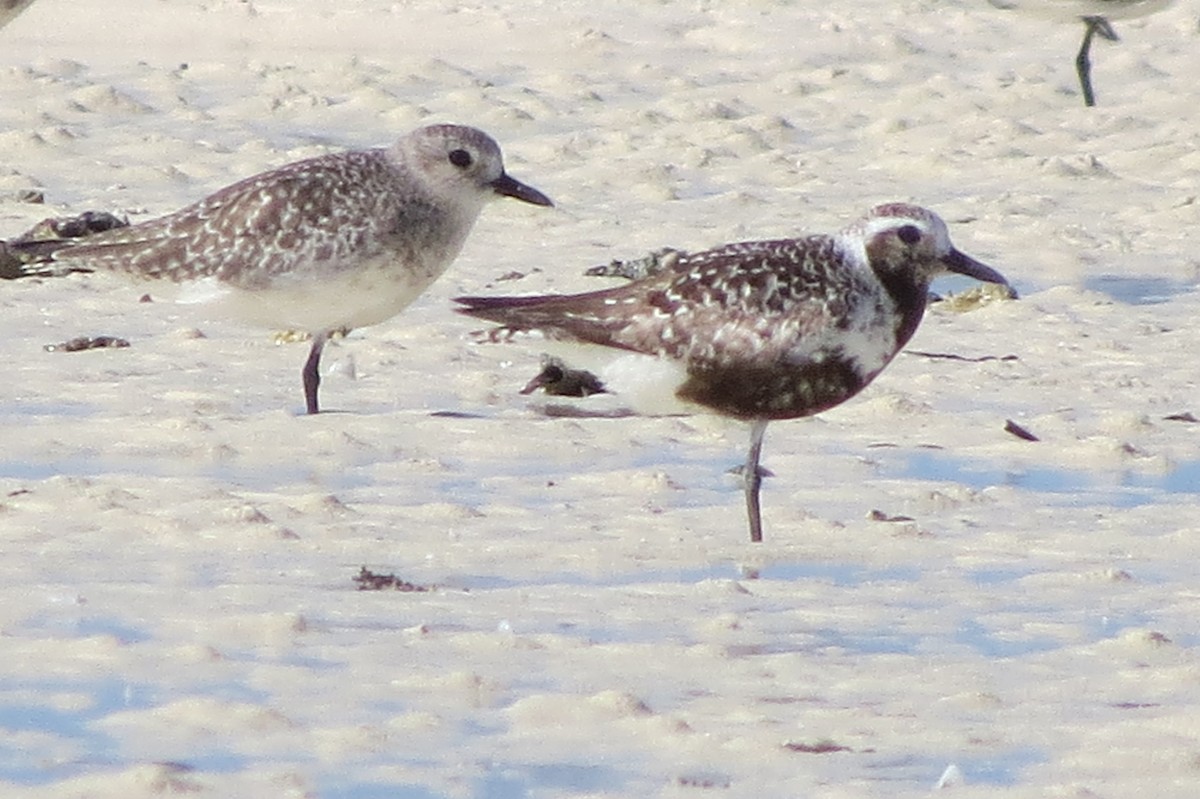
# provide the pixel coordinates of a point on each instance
(462, 165)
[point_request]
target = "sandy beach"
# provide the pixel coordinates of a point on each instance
(939, 607)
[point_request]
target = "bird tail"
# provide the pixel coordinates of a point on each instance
(512, 314)
(496, 308)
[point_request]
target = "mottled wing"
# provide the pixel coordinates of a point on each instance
(754, 300)
(249, 233)
(747, 302)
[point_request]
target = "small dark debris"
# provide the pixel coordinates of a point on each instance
(1133, 450)
(950, 356)
(880, 516)
(514, 274)
(1186, 416)
(559, 380)
(1020, 432)
(81, 343)
(702, 781)
(638, 268)
(457, 415)
(822, 747)
(31, 196)
(74, 227)
(27, 254)
(175, 767)
(560, 411)
(788, 700)
(370, 581)
(1135, 705)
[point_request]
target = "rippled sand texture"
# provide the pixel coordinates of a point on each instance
(178, 608)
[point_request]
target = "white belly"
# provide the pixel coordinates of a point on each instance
(354, 298)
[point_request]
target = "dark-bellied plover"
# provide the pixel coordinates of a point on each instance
(756, 331)
(1095, 15)
(339, 241)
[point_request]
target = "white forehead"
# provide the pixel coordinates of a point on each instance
(886, 218)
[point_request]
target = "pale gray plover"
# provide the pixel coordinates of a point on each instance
(344, 240)
(1095, 15)
(756, 331)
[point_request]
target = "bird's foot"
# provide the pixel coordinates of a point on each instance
(1102, 27)
(740, 471)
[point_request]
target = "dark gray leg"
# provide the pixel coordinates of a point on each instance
(312, 371)
(1083, 64)
(752, 477)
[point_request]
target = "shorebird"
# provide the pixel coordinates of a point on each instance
(1095, 15)
(757, 331)
(344, 240)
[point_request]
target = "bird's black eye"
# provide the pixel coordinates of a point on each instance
(909, 234)
(460, 158)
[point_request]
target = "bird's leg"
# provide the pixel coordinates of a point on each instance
(312, 371)
(1083, 64)
(752, 477)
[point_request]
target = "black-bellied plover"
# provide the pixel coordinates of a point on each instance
(756, 331)
(1095, 15)
(339, 241)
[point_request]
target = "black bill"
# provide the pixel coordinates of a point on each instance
(963, 264)
(511, 187)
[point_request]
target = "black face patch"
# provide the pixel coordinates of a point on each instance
(909, 234)
(460, 158)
